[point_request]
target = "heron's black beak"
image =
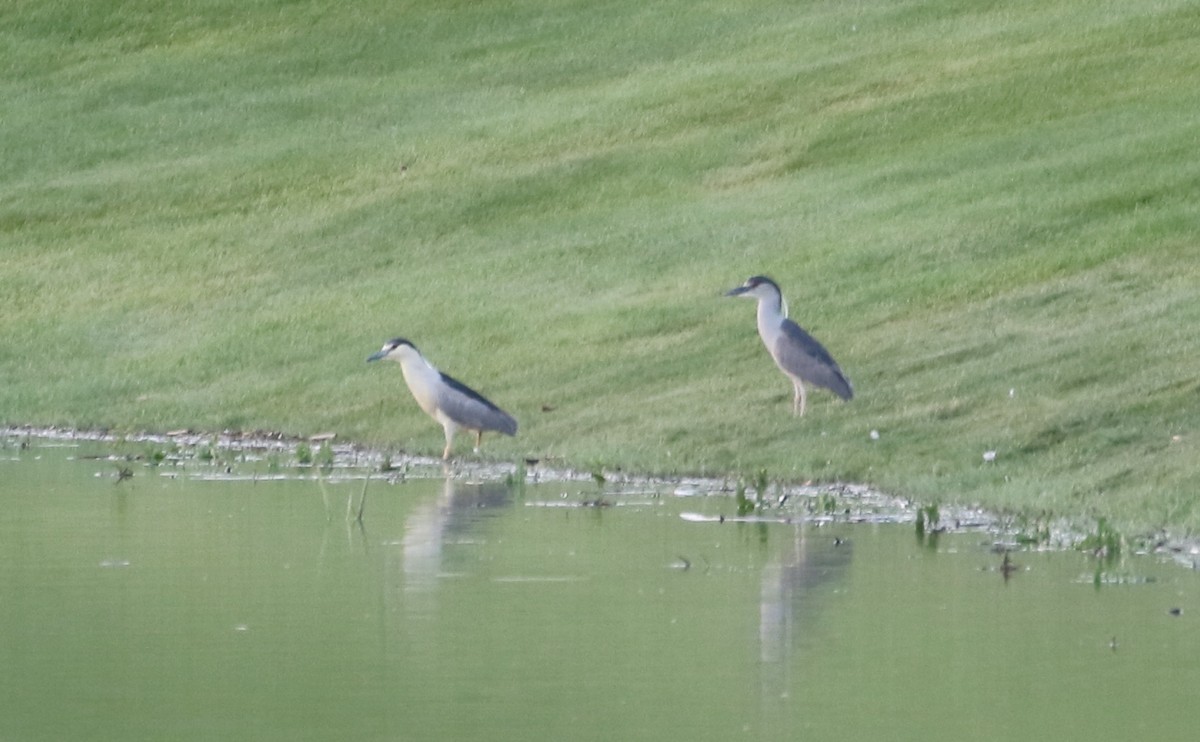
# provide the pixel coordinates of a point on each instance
(377, 356)
(737, 292)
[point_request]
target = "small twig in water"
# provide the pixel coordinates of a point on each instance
(324, 498)
(362, 502)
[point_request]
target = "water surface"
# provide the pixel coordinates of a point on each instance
(184, 603)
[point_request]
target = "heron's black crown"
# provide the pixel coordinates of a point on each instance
(755, 281)
(397, 342)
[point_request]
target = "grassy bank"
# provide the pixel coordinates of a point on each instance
(212, 212)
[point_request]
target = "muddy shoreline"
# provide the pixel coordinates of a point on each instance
(350, 459)
(817, 504)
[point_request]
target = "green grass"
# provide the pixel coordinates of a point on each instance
(212, 212)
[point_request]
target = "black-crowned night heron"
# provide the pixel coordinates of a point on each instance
(444, 398)
(797, 353)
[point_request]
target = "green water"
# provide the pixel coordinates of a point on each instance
(179, 605)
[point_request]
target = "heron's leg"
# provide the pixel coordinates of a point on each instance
(478, 440)
(799, 400)
(449, 430)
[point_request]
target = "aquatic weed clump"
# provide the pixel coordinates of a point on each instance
(1104, 542)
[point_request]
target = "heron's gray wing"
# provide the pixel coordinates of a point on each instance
(471, 409)
(801, 355)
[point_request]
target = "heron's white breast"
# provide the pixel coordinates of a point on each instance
(423, 381)
(770, 324)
